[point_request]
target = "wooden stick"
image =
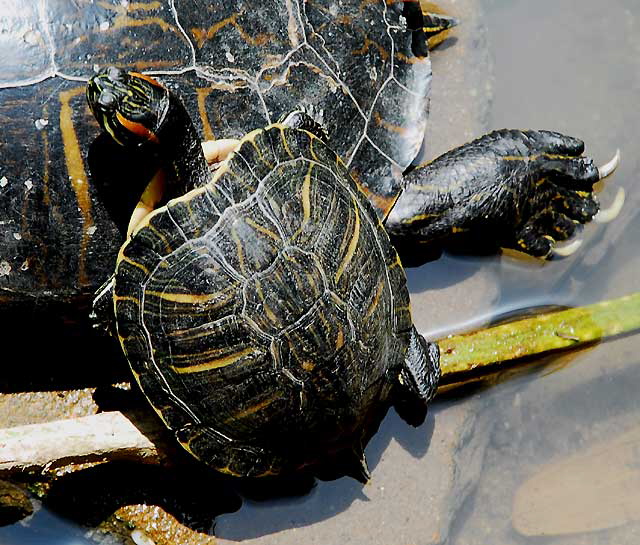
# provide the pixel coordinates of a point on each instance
(94, 438)
(111, 436)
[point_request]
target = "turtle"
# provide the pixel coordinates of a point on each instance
(263, 308)
(237, 64)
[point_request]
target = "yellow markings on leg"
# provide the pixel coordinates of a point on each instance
(353, 244)
(420, 217)
(216, 363)
(535, 157)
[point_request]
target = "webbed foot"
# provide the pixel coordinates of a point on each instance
(562, 198)
(525, 190)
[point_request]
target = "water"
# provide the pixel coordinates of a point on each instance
(571, 66)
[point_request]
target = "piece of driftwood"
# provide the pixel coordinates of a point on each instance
(94, 438)
(111, 436)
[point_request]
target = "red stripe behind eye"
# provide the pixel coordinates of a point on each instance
(137, 128)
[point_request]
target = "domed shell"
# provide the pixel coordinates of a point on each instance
(265, 315)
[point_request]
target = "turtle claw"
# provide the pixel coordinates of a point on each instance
(611, 213)
(566, 249)
(608, 168)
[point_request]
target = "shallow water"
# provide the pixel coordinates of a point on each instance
(571, 66)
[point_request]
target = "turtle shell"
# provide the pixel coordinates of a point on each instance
(238, 64)
(265, 315)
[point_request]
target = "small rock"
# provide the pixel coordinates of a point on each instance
(14, 503)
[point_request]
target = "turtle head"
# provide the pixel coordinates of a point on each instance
(130, 106)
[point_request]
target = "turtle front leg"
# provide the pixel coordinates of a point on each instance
(516, 189)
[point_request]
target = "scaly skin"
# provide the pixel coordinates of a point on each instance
(515, 189)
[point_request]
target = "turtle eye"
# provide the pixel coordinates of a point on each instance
(106, 99)
(115, 74)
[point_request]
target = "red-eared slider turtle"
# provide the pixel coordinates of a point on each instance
(237, 64)
(263, 310)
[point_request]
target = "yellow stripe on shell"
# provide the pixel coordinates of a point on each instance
(214, 364)
(306, 198)
(253, 409)
(255, 225)
(353, 243)
(184, 297)
(285, 144)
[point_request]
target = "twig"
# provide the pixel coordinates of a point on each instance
(98, 437)
(461, 354)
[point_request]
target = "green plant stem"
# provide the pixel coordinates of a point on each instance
(462, 354)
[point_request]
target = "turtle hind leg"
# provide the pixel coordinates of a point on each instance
(516, 189)
(418, 379)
